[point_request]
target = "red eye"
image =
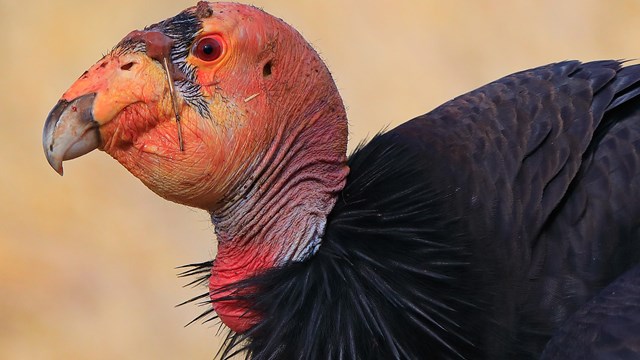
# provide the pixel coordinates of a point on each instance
(208, 48)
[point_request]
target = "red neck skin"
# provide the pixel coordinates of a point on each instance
(279, 214)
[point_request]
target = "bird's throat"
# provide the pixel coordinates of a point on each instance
(279, 218)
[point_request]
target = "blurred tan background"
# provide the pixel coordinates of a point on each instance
(87, 261)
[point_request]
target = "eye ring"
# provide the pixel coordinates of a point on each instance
(208, 48)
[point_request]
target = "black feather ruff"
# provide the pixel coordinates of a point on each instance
(391, 280)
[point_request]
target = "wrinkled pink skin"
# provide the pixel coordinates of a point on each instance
(269, 163)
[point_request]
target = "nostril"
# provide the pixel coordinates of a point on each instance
(127, 66)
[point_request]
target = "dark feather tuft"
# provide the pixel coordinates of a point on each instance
(351, 300)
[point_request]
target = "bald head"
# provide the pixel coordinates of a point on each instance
(243, 81)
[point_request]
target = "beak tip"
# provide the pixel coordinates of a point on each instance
(59, 170)
(54, 162)
(69, 134)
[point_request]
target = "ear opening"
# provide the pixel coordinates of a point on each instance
(266, 70)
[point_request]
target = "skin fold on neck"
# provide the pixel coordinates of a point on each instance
(278, 214)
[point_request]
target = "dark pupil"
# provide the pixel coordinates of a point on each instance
(207, 49)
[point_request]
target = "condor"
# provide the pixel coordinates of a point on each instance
(501, 225)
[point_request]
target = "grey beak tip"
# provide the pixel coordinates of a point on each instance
(70, 131)
(56, 164)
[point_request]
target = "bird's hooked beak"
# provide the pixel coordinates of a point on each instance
(194, 104)
(120, 79)
(70, 131)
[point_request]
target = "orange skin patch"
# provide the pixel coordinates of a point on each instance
(268, 91)
(232, 265)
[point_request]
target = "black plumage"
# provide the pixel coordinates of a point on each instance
(474, 231)
(607, 327)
